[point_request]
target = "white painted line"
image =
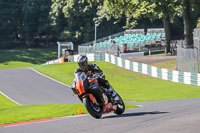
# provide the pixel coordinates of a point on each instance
(140, 105)
(9, 98)
(49, 77)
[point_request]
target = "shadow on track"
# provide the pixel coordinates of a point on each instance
(135, 114)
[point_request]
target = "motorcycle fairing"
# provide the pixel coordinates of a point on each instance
(82, 83)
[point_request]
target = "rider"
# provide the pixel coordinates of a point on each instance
(91, 69)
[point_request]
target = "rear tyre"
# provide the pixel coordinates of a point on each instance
(120, 106)
(93, 109)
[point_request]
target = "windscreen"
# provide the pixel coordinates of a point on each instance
(82, 76)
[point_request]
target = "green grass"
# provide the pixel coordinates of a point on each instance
(130, 85)
(25, 57)
(166, 64)
(5, 103)
(36, 112)
(13, 113)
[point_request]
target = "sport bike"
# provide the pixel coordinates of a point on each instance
(85, 86)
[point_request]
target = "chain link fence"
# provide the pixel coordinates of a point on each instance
(188, 59)
(197, 40)
(109, 48)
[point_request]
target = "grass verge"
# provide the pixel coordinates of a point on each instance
(36, 112)
(166, 64)
(130, 85)
(13, 113)
(25, 57)
(5, 103)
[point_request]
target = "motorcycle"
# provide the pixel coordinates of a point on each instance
(96, 105)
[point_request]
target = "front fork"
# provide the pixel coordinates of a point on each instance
(103, 98)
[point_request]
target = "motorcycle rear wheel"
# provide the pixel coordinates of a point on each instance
(93, 109)
(120, 106)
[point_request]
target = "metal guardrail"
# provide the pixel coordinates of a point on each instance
(165, 74)
(171, 75)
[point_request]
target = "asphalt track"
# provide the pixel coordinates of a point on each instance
(178, 116)
(28, 87)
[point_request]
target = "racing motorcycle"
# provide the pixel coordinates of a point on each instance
(96, 105)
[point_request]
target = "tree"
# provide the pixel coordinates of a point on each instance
(36, 22)
(188, 7)
(162, 9)
(23, 22)
(75, 21)
(198, 23)
(9, 22)
(136, 9)
(187, 22)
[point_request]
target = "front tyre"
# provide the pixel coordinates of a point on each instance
(93, 109)
(120, 106)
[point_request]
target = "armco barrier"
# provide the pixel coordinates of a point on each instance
(171, 75)
(91, 57)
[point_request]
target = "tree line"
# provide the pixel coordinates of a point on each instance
(40, 23)
(166, 10)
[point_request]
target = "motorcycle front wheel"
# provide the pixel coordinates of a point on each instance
(93, 109)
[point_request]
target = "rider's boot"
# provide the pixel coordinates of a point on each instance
(99, 93)
(114, 94)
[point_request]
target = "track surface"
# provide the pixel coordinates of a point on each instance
(27, 87)
(180, 116)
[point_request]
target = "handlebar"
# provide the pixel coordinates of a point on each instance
(94, 76)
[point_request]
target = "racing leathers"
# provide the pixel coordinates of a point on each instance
(94, 69)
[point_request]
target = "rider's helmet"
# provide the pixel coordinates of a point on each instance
(82, 62)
